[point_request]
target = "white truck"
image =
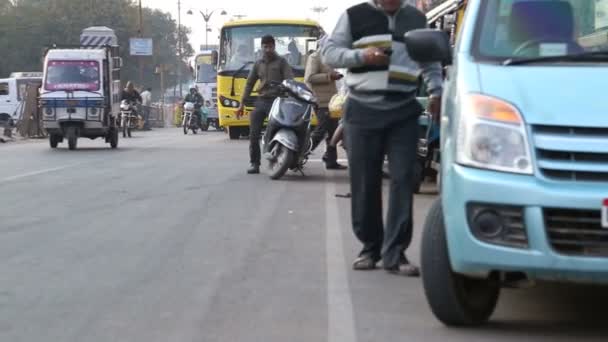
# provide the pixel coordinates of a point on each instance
(12, 95)
(80, 94)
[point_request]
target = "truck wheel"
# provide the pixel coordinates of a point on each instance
(234, 133)
(114, 138)
(72, 137)
(456, 300)
(54, 140)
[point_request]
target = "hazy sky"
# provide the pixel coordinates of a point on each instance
(298, 9)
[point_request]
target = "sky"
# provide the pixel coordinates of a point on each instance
(292, 9)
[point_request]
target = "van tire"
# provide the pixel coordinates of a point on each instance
(456, 300)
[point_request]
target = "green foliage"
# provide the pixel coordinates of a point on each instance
(28, 26)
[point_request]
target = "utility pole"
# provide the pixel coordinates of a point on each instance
(141, 35)
(179, 47)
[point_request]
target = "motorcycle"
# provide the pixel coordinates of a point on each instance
(289, 128)
(128, 117)
(189, 121)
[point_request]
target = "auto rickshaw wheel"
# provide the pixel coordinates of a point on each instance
(114, 138)
(455, 299)
(72, 136)
(54, 140)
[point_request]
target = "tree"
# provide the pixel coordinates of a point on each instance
(28, 26)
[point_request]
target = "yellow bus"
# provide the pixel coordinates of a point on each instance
(240, 47)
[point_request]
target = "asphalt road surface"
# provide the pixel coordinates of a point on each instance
(167, 239)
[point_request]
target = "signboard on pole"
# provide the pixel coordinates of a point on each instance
(141, 46)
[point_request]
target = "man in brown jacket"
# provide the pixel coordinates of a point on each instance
(271, 67)
(321, 79)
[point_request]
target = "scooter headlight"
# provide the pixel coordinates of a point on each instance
(492, 135)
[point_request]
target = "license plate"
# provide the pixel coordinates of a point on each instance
(605, 214)
(71, 103)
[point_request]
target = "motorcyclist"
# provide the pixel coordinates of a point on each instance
(195, 97)
(132, 96)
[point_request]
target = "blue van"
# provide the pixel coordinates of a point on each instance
(524, 142)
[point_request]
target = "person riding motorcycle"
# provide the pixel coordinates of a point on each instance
(195, 97)
(132, 96)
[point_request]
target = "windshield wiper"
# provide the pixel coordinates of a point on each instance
(236, 73)
(581, 57)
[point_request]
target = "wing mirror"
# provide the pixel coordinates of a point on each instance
(428, 46)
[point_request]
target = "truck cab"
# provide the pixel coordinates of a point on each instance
(12, 94)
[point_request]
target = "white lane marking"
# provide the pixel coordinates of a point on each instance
(36, 173)
(341, 324)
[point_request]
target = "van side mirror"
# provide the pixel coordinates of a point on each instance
(428, 46)
(214, 57)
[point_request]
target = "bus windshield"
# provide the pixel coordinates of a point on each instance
(242, 44)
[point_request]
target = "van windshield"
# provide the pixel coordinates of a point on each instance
(72, 75)
(508, 29)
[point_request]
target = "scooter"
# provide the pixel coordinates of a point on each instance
(289, 128)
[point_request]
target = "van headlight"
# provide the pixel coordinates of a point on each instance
(492, 135)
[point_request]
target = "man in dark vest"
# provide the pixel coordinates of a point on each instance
(381, 118)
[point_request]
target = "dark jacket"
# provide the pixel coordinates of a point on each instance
(197, 99)
(131, 96)
(265, 70)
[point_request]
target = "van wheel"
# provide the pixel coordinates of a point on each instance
(456, 300)
(234, 133)
(72, 137)
(54, 140)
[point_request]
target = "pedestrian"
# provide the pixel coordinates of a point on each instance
(321, 79)
(381, 118)
(146, 102)
(271, 67)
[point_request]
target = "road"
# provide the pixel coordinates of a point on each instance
(167, 239)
